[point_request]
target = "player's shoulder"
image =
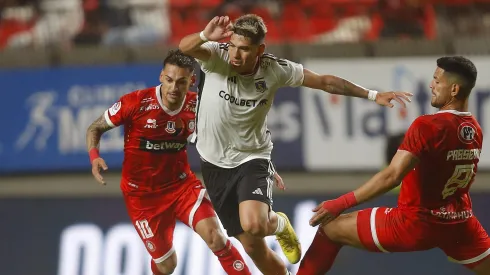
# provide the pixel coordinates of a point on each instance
(268, 59)
(190, 102)
(424, 123)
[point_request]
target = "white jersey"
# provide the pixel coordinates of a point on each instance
(232, 112)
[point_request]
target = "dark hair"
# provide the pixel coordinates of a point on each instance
(461, 67)
(177, 58)
(251, 26)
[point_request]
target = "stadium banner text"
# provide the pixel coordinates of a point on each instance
(350, 133)
(46, 117)
(94, 236)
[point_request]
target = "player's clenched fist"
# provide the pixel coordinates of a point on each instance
(97, 165)
(218, 28)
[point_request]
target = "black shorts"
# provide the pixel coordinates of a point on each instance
(228, 187)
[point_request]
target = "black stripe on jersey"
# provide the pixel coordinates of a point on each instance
(232, 79)
(280, 61)
(202, 78)
(223, 46)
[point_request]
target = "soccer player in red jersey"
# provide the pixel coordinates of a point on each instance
(437, 162)
(157, 183)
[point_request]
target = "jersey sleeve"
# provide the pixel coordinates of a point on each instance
(219, 56)
(121, 111)
(417, 138)
(290, 73)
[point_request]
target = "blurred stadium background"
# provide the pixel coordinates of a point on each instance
(63, 62)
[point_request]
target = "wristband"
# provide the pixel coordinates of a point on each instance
(339, 205)
(93, 154)
(203, 37)
(372, 95)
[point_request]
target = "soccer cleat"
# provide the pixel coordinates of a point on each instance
(289, 242)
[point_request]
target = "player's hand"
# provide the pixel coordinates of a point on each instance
(97, 165)
(218, 28)
(279, 182)
(322, 214)
(384, 99)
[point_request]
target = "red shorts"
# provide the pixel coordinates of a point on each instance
(396, 230)
(154, 215)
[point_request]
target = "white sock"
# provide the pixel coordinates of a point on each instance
(281, 224)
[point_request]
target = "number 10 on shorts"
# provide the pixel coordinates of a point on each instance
(144, 229)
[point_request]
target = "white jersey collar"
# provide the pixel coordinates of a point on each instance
(454, 112)
(164, 108)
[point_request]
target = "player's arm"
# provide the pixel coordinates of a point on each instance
(95, 131)
(217, 29)
(113, 117)
(402, 163)
(339, 86)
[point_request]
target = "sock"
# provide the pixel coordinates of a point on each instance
(231, 260)
(320, 255)
(281, 224)
(154, 269)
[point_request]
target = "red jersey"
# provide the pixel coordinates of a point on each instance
(448, 145)
(155, 139)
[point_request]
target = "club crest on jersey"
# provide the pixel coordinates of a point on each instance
(261, 86)
(170, 127)
(467, 132)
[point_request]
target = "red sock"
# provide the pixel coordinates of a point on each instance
(231, 260)
(320, 256)
(154, 269)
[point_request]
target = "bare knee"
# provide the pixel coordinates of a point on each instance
(343, 230)
(215, 239)
(211, 233)
(168, 266)
(254, 218)
(254, 227)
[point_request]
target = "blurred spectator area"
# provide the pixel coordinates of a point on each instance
(68, 23)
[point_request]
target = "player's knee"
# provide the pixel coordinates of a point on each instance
(168, 266)
(342, 229)
(254, 227)
(215, 239)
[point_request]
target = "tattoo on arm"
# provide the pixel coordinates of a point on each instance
(95, 131)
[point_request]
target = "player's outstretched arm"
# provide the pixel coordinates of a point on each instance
(217, 29)
(402, 163)
(339, 86)
(94, 133)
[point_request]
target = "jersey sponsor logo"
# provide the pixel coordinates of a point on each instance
(146, 100)
(162, 146)
(191, 125)
(151, 124)
(467, 132)
(152, 106)
(263, 102)
(190, 107)
(115, 108)
(261, 86)
(238, 101)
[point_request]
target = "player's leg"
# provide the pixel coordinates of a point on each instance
(256, 217)
(327, 243)
(195, 210)
(376, 230)
(155, 228)
(468, 244)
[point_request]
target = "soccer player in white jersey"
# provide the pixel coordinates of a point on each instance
(232, 136)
